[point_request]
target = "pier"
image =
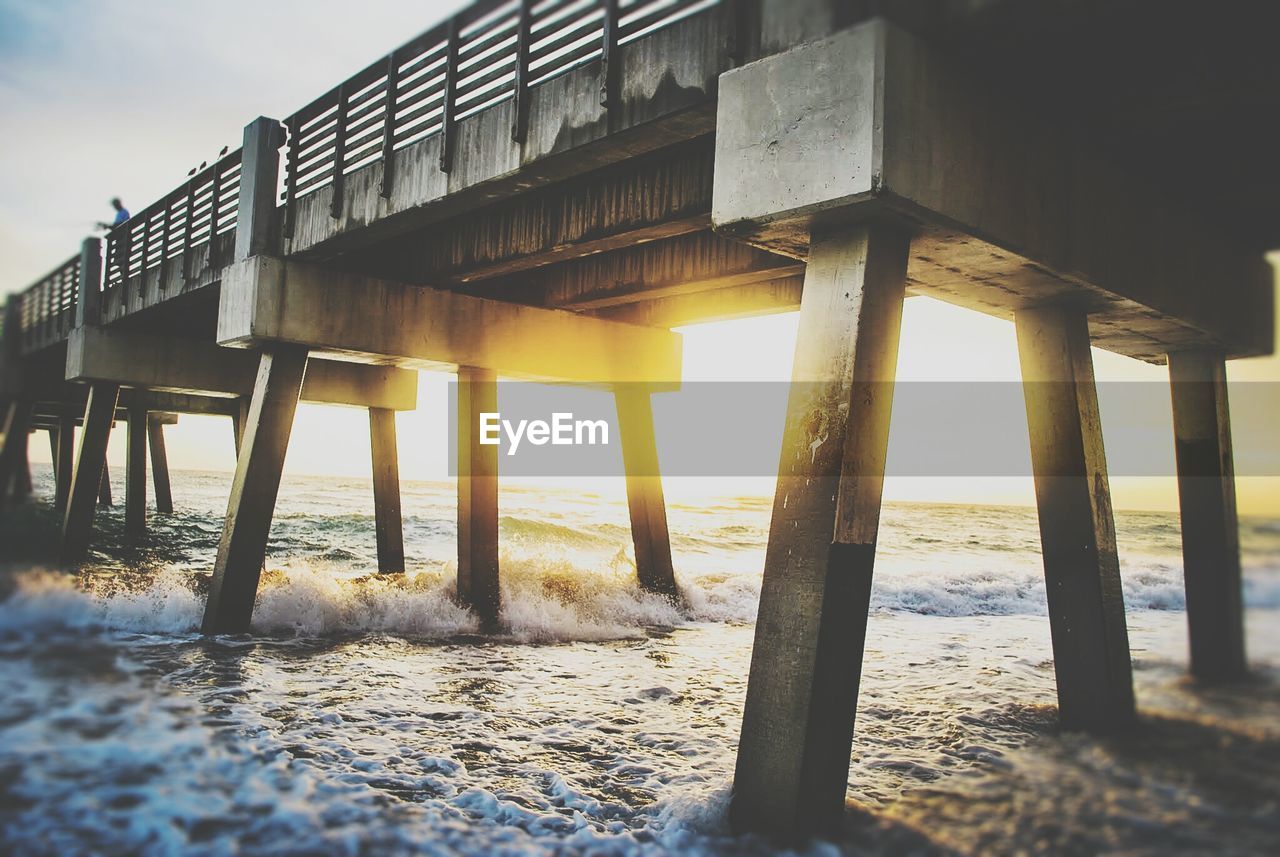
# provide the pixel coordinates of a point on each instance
(543, 190)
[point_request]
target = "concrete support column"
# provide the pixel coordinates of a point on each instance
(253, 492)
(386, 490)
(104, 488)
(797, 726)
(63, 462)
(22, 481)
(86, 475)
(256, 229)
(238, 421)
(135, 479)
(159, 466)
(1207, 501)
(477, 497)
(1077, 531)
(17, 422)
(89, 295)
(644, 491)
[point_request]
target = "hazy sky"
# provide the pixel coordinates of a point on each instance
(123, 98)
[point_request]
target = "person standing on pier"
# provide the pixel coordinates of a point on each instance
(122, 214)
(118, 252)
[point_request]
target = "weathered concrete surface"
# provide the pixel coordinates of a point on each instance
(159, 464)
(165, 283)
(1210, 528)
(77, 523)
(806, 663)
(243, 545)
(667, 86)
(737, 301)
(175, 365)
(478, 571)
(135, 474)
(267, 300)
(1010, 207)
(682, 265)
(1077, 529)
(645, 502)
(388, 522)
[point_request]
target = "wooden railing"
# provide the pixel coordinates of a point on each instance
(192, 214)
(46, 310)
(491, 51)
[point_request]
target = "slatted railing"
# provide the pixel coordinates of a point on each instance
(490, 52)
(46, 310)
(194, 213)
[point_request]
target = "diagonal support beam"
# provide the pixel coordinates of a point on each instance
(478, 577)
(86, 479)
(1210, 529)
(645, 501)
(243, 546)
(135, 481)
(1077, 530)
(806, 664)
(388, 523)
(159, 464)
(16, 422)
(64, 449)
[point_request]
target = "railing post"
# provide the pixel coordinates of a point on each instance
(259, 174)
(448, 121)
(290, 177)
(146, 253)
(187, 223)
(520, 127)
(89, 301)
(215, 192)
(166, 226)
(609, 56)
(339, 152)
(389, 128)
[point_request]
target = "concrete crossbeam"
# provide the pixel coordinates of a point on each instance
(269, 300)
(1011, 205)
(175, 365)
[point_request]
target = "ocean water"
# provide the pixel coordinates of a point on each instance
(368, 715)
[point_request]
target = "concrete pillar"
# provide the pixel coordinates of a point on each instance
(135, 474)
(63, 461)
(86, 475)
(1207, 501)
(17, 421)
(104, 488)
(89, 294)
(1077, 531)
(159, 466)
(238, 420)
(386, 490)
(256, 230)
(644, 491)
(52, 431)
(243, 546)
(22, 482)
(797, 725)
(477, 497)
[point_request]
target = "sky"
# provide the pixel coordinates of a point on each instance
(123, 98)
